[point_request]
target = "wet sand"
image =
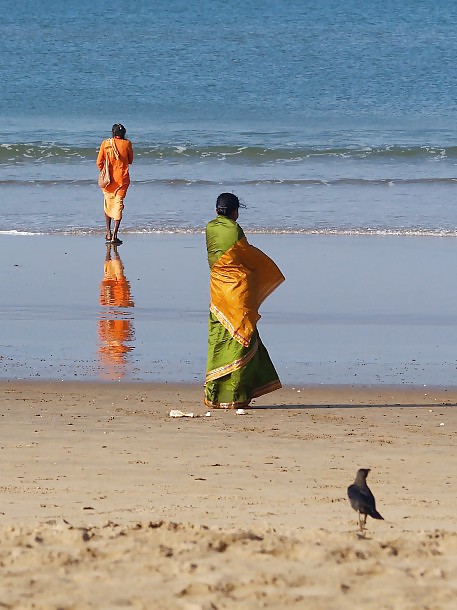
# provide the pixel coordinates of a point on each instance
(359, 310)
(109, 502)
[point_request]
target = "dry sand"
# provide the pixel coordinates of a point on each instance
(107, 502)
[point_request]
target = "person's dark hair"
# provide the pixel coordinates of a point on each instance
(118, 130)
(226, 203)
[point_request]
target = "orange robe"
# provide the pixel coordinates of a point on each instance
(119, 168)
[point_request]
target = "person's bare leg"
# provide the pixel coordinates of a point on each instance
(115, 230)
(108, 228)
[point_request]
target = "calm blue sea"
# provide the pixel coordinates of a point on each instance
(324, 117)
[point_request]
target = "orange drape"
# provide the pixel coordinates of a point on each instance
(240, 281)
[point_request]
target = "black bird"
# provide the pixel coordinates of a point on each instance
(361, 498)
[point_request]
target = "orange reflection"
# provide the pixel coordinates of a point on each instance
(115, 328)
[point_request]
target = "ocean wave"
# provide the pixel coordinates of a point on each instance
(47, 152)
(177, 230)
(174, 182)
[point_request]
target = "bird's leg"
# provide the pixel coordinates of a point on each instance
(362, 522)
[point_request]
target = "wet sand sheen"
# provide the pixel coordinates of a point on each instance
(361, 310)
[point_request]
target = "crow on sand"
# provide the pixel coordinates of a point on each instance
(361, 498)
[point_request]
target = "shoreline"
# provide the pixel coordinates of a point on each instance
(289, 396)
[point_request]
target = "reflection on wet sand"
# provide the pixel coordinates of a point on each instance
(115, 327)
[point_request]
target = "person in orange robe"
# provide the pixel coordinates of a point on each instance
(119, 152)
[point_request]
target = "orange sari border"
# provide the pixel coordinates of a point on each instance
(266, 389)
(226, 405)
(268, 290)
(244, 341)
(233, 366)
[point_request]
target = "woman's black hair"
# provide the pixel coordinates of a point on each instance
(226, 203)
(118, 130)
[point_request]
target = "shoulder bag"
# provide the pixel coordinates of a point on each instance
(104, 179)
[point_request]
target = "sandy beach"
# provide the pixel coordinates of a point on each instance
(108, 502)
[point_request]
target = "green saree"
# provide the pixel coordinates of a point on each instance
(242, 276)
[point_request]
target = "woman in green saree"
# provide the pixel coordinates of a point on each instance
(241, 277)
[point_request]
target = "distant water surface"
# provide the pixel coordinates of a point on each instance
(324, 117)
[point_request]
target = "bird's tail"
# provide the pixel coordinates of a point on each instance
(375, 515)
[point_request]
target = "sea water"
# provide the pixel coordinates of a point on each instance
(324, 117)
